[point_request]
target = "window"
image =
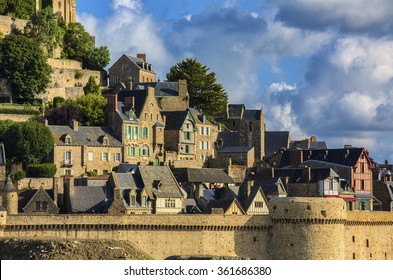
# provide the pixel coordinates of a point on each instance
(362, 185)
(105, 141)
(201, 130)
(118, 157)
(90, 156)
(258, 204)
(250, 126)
(187, 149)
(362, 168)
(68, 157)
(67, 140)
(187, 135)
(144, 200)
(207, 131)
(41, 205)
(133, 200)
(170, 203)
(145, 116)
(330, 181)
(68, 172)
(145, 132)
(132, 151)
(105, 156)
(145, 151)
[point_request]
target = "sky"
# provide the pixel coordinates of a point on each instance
(321, 68)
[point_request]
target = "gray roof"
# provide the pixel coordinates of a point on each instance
(199, 118)
(254, 191)
(85, 135)
(227, 138)
(252, 115)
(161, 89)
(235, 149)
(235, 111)
(270, 186)
(126, 167)
(175, 119)
(202, 175)
(126, 113)
(274, 141)
(8, 186)
(88, 199)
(154, 176)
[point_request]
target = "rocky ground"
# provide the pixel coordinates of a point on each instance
(32, 249)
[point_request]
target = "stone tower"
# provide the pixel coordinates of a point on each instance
(67, 8)
(9, 195)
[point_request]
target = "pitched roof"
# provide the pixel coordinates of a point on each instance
(228, 138)
(254, 191)
(8, 186)
(175, 119)
(274, 141)
(168, 186)
(252, 115)
(138, 62)
(139, 96)
(270, 186)
(223, 204)
(235, 149)
(202, 175)
(161, 89)
(235, 111)
(198, 117)
(26, 198)
(85, 135)
(126, 167)
(89, 199)
(347, 157)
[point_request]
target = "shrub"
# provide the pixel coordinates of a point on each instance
(57, 101)
(78, 75)
(19, 175)
(19, 112)
(92, 173)
(45, 170)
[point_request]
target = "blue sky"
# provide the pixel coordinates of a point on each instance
(322, 68)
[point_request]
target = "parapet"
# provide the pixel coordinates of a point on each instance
(307, 209)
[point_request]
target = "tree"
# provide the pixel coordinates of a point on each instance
(205, 93)
(45, 29)
(22, 9)
(92, 87)
(64, 114)
(23, 63)
(79, 45)
(27, 142)
(92, 107)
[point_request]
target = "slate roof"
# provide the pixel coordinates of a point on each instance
(274, 141)
(126, 113)
(161, 89)
(151, 175)
(174, 119)
(317, 174)
(202, 175)
(139, 99)
(89, 199)
(235, 111)
(347, 157)
(270, 186)
(314, 145)
(85, 135)
(25, 198)
(8, 186)
(252, 115)
(135, 60)
(229, 138)
(235, 149)
(223, 204)
(198, 117)
(126, 167)
(254, 191)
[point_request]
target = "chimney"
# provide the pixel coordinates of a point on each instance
(130, 100)
(347, 146)
(141, 56)
(55, 190)
(247, 189)
(306, 174)
(74, 125)
(112, 103)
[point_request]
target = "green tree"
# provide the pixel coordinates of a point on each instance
(45, 29)
(92, 107)
(27, 142)
(23, 63)
(92, 87)
(205, 93)
(79, 45)
(22, 9)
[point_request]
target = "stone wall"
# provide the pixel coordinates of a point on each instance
(35, 183)
(15, 117)
(296, 228)
(8, 23)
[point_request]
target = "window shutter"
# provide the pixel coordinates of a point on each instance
(109, 156)
(150, 152)
(102, 156)
(141, 152)
(200, 145)
(131, 132)
(135, 151)
(148, 132)
(127, 135)
(208, 145)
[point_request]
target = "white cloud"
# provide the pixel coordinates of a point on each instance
(129, 4)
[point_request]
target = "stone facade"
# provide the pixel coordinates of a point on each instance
(296, 228)
(66, 8)
(128, 70)
(7, 24)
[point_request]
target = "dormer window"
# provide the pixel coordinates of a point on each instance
(105, 141)
(132, 197)
(157, 184)
(67, 139)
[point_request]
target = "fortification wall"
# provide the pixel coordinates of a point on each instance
(297, 228)
(159, 236)
(15, 117)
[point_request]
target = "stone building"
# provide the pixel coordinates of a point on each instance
(189, 136)
(128, 70)
(135, 118)
(80, 149)
(37, 202)
(66, 8)
(249, 123)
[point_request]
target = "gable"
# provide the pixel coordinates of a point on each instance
(40, 203)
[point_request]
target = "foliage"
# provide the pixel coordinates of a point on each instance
(45, 170)
(23, 63)
(78, 74)
(92, 107)
(64, 114)
(19, 175)
(92, 173)
(45, 29)
(92, 87)
(19, 112)
(22, 9)
(79, 45)
(28, 142)
(205, 93)
(58, 101)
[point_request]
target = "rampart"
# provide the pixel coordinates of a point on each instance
(297, 228)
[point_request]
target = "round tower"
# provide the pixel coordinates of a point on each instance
(307, 228)
(9, 196)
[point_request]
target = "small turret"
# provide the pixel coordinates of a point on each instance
(9, 195)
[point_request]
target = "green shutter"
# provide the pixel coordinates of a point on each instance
(127, 135)
(129, 151)
(135, 151)
(148, 132)
(141, 152)
(132, 132)
(150, 152)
